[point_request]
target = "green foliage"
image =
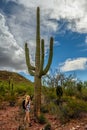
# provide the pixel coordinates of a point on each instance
(62, 114)
(2, 90)
(10, 90)
(74, 108)
(21, 90)
(44, 108)
(52, 108)
(47, 127)
(51, 96)
(79, 87)
(70, 91)
(59, 91)
(83, 95)
(49, 93)
(41, 119)
(73, 100)
(71, 109)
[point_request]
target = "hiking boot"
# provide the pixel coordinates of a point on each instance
(30, 124)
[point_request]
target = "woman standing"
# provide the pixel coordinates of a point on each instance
(27, 110)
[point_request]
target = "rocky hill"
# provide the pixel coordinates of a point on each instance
(5, 75)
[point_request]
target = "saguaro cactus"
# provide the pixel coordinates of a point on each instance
(38, 70)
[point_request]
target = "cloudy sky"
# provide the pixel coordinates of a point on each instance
(65, 20)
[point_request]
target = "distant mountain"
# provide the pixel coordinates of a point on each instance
(5, 75)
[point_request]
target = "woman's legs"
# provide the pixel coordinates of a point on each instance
(27, 117)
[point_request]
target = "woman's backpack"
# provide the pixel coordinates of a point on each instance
(23, 105)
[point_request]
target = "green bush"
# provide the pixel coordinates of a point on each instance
(21, 90)
(59, 91)
(63, 114)
(77, 106)
(47, 127)
(42, 119)
(52, 108)
(79, 87)
(70, 91)
(84, 94)
(71, 109)
(50, 95)
(44, 109)
(2, 90)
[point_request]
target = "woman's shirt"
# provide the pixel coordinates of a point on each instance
(28, 106)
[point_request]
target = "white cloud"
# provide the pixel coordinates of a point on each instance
(21, 26)
(11, 54)
(74, 11)
(34, 3)
(75, 64)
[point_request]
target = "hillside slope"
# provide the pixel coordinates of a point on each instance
(5, 75)
(19, 82)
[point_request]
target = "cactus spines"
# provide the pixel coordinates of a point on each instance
(38, 70)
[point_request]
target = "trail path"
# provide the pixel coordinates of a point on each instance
(12, 119)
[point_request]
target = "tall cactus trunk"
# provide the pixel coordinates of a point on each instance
(37, 95)
(37, 92)
(38, 71)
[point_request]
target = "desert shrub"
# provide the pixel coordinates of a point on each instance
(52, 108)
(10, 97)
(84, 94)
(70, 91)
(21, 90)
(51, 95)
(78, 106)
(71, 109)
(79, 87)
(47, 127)
(42, 119)
(44, 108)
(59, 91)
(2, 90)
(62, 114)
(1, 98)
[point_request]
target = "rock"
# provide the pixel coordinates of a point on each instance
(73, 128)
(78, 126)
(85, 128)
(82, 123)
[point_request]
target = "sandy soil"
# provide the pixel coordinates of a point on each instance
(11, 118)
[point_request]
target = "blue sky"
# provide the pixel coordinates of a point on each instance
(65, 20)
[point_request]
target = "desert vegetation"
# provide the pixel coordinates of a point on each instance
(65, 102)
(68, 100)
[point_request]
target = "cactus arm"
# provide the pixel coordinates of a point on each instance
(50, 57)
(30, 67)
(27, 58)
(31, 72)
(42, 57)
